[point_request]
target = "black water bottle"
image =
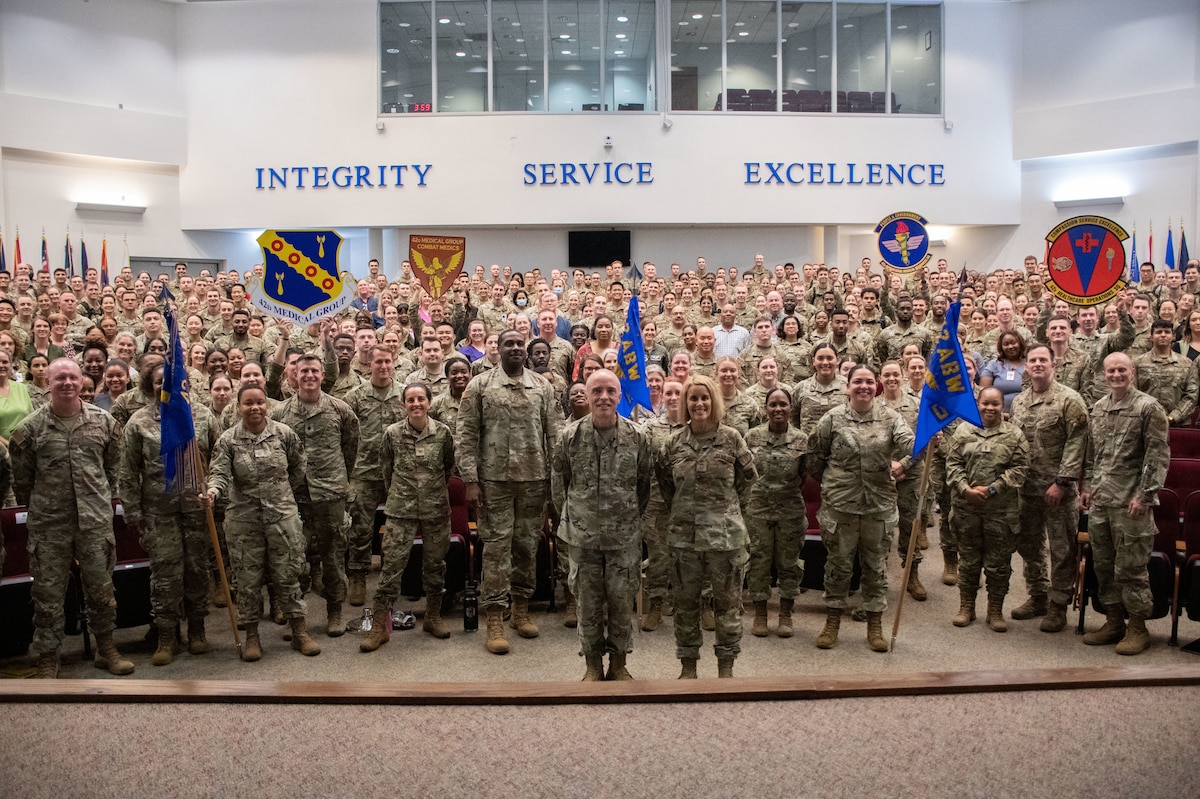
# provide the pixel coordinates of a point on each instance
(471, 607)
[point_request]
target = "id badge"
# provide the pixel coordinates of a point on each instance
(1012, 375)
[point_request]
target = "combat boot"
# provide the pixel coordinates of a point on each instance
(379, 634)
(520, 619)
(922, 538)
(107, 656)
(495, 632)
(966, 609)
(165, 652)
(949, 567)
(784, 629)
(197, 643)
(356, 595)
(47, 666)
(995, 614)
(595, 668)
(829, 635)
(653, 617)
(875, 637)
(725, 666)
(252, 649)
(301, 641)
(1112, 631)
(708, 615)
(759, 628)
(218, 592)
(273, 606)
(915, 589)
(616, 668)
(1034, 606)
(1056, 618)
(433, 624)
(1137, 637)
(334, 625)
(571, 613)
(316, 579)
(688, 672)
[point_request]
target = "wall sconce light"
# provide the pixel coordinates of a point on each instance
(1089, 202)
(110, 208)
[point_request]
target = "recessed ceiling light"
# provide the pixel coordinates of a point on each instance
(408, 95)
(684, 23)
(444, 21)
(870, 58)
(823, 55)
(595, 47)
(564, 36)
(848, 25)
(414, 41)
(618, 52)
(519, 40)
(801, 49)
(743, 33)
(449, 96)
(516, 24)
(810, 70)
(702, 47)
(570, 24)
(901, 27)
(460, 54)
(620, 36)
(793, 24)
(899, 71)
(469, 41)
(533, 81)
(931, 84)
(404, 24)
(622, 18)
(739, 24)
(697, 16)
(566, 52)
(383, 72)
(392, 51)
(918, 58)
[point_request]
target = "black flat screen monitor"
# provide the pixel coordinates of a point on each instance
(589, 249)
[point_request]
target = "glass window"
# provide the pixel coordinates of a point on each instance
(517, 58)
(861, 57)
(751, 34)
(807, 67)
(406, 75)
(462, 78)
(696, 41)
(575, 42)
(629, 56)
(917, 59)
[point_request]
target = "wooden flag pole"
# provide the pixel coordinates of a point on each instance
(918, 526)
(202, 478)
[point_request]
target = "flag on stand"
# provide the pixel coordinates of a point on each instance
(69, 255)
(104, 261)
(3, 265)
(83, 263)
(947, 395)
(175, 411)
(631, 365)
(1150, 256)
(45, 254)
(1135, 268)
(1169, 255)
(1183, 253)
(125, 239)
(17, 249)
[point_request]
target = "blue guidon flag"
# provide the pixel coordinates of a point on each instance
(947, 394)
(175, 413)
(301, 281)
(631, 365)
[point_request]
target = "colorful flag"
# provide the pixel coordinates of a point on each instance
(45, 254)
(125, 239)
(83, 263)
(1150, 257)
(104, 261)
(1135, 268)
(1183, 253)
(947, 395)
(17, 249)
(631, 365)
(175, 410)
(3, 265)
(69, 255)
(1169, 255)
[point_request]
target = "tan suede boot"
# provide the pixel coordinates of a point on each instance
(784, 628)
(688, 670)
(915, 589)
(829, 635)
(197, 643)
(252, 648)
(379, 634)
(759, 628)
(595, 668)
(966, 609)
(995, 614)
(1112, 631)
(107, 656)
(950, 567)
(495, 632)
(1137, 637)
(875, 631)
(520, 619)
(356, 594)
(725, 667)
(165, 652)
(1056, 618)
(1034, 606)
(617, 671)
(335, 626)
(433, 624)
(47, 666)
(301, 641)
(653, 617)
(571, 612)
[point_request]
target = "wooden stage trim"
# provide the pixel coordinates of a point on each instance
(578, 693)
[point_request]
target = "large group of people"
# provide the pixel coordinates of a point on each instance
(760, 379)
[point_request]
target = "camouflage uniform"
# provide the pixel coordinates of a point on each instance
(704, 366)
(907, 500)
(997, 457)
(1094, 385)
(262, 520)
(600, 484)
(174, 529)
(1055, 425)
(6, 484)
(438, 383)
(129, 403)
(705, 482)
(812, 399)
(851, 454)
(742, 414)
(751, 356)
(775, 516)
(416, 467)
(799, 353)
(1071, 369)
(254, 348)
(654, 520)
(892, 340)
(991, 340)
(65, 472)
(1128, 457)
(377, 410)
(850, 350)
(1172, 380)
(328, 431)
(445, 410)
(508, 428)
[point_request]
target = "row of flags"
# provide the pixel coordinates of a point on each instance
(68, 261)
(1172, 258)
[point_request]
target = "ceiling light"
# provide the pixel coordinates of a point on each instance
(566, 52)
(685, 23)
(793, 24)
(801, 49)
(444, 21)
(392, 51)
(901, 27)
(697, 16)
(564, 36)
(460, 54)
(848, 25)
(702, 47)
(618, 52)
(404, 25)
(622, 18)
(744, 33)
(620, 36)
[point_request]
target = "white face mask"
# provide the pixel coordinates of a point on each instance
(521, 303)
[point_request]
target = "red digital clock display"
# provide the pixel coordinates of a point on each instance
(420, 108)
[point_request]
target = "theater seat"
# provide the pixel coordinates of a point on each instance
(1166, 557)
(16, 605)
(1190, 571)
(1183, 474)
(1184, 442)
